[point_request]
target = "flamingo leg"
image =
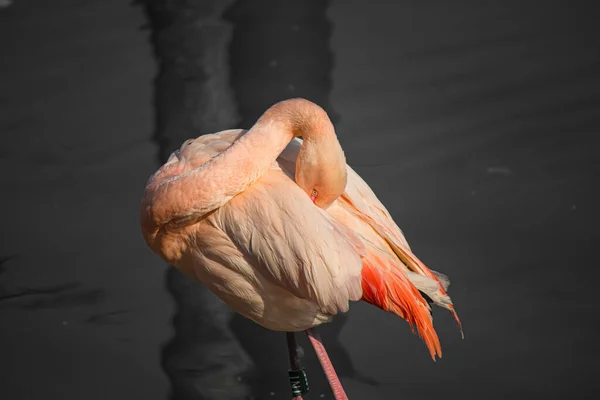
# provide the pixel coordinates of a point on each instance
(297, 375)
(334, 381)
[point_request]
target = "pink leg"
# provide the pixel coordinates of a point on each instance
(334, 381)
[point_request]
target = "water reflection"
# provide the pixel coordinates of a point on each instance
(291, 56)
(216, 353)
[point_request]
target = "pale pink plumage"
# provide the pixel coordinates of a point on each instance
(234, 218)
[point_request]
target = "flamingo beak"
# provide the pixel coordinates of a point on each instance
(173, 157)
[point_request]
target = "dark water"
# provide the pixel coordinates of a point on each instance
(474, 122)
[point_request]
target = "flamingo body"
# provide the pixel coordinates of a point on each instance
(266, 248)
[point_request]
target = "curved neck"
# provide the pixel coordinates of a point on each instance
(201, 190)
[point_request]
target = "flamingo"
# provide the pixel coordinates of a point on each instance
(284, 232)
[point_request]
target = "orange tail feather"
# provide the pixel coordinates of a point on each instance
(414, 264)
(385, 286)
(395, 240)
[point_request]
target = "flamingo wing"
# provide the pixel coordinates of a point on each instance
(293, 244)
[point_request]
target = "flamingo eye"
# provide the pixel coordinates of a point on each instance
(314, 192)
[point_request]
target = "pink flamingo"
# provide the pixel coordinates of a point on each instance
(284, 232)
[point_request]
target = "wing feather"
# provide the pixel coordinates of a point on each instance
(293, 243)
